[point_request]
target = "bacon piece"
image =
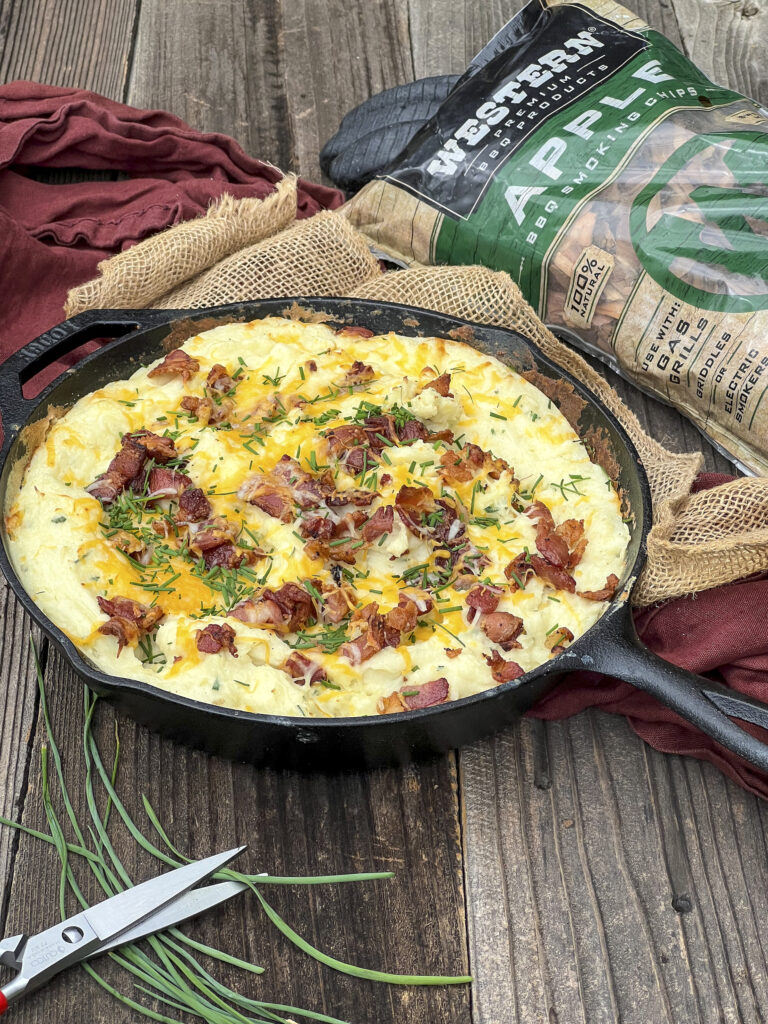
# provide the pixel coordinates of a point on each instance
(348, 332)
(469, 462)
(549, 543)
(211, 533)
(521, 567)
(502, 669)
(343, 438)
(502, 628)
(358, 373)
(317, 527)
(193, 506)
(358, 459)
(381, 522)
(558, 639)
(392, 704)
(337, 603)
(176, 364)
(307, 491)
(379, 430)
(427, 695)
(161, 449)
(351, 496)
(602, 595)
(404, 617)
(206, 410)
(167, 483)
(287, 609)
(125, 467)
(483, 600)
(128, 620)
(225, 555)
(218, 379)
(452, 652)
(441, 384)
(413, 430)
(275, 500)
(412, 505)
(215, 638)
(260, 611)
(559, 578)
(377, 634)
(107, 487)
(303, 670)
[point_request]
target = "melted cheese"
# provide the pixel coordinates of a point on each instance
(66, 561)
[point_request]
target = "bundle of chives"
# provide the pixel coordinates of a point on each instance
(173, 977)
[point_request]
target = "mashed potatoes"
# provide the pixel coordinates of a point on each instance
(286, 519)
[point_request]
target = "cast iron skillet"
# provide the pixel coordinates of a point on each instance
(610, 645)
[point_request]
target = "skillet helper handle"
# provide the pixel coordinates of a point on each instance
(58, 341)
(706, 704)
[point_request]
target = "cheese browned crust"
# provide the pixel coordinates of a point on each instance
(288, 519)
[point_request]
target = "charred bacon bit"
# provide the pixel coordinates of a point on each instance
(381, 522)
(441, 384)
(358, 373)
(519, 569)
(502, 628)
(303, 670)
(176, 364)
(552, 574)
(128, 620)
(549, 543)
(167, 483)
(427, 695)
(405, 616)
(602, 595)
(503, 670)
(218, 379)
(215, 638)
(413, 504)
(206, 410)
(226, 556)
(338, 603)
(482, 600)
(349, 332)
(317, 528)
(558, 639)
(193, 506)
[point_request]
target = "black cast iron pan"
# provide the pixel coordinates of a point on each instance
(610, 645)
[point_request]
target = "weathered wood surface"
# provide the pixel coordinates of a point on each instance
(583, 876)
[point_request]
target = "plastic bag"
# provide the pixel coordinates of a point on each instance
(626, 194)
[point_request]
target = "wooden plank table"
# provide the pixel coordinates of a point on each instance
(579, 875)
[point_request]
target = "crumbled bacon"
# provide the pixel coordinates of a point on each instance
(404, 617)
(469, 462)
(452, 652)
(519, 567)
(559, 578)
(275, 500)
(557, 640)
(176, 364)
(572, 532)
(193, 506)
(345, 437)
(215, 638)
(307, 491)
(128, 620)
(502, 628)
(303, 670)
(287, 609)
(549, 543)
(351, 496)
(218, 379)
(441, 384)
(317, 528)
(483, 600)
(377, 634)
(412, 505)
(167, 483)
(127, 466)
(502, 669)
(413, 430)
(605, 594)
(226, 556)
(211, 533)
(381, 522)
(337, 603)
(206, 410)
(348, 332)
(412, 697)
(379, 430)
(358, 373)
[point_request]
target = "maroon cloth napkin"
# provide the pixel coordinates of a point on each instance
(721, 633)
(52, 237)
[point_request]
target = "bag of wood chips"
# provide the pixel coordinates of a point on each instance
(626, 194)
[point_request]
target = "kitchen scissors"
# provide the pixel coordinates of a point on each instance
(159, 903)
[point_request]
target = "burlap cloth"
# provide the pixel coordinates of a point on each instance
(253, 249)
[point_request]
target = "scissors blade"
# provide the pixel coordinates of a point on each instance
(130, 907)
(189, 905)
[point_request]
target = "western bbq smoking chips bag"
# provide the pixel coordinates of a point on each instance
(625, 193)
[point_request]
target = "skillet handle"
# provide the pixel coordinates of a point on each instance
(58, 341)
(706, 704)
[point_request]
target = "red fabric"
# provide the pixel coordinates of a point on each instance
(720, 633)
(53, 236)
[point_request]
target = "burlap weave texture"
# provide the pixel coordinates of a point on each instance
(250, 249)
